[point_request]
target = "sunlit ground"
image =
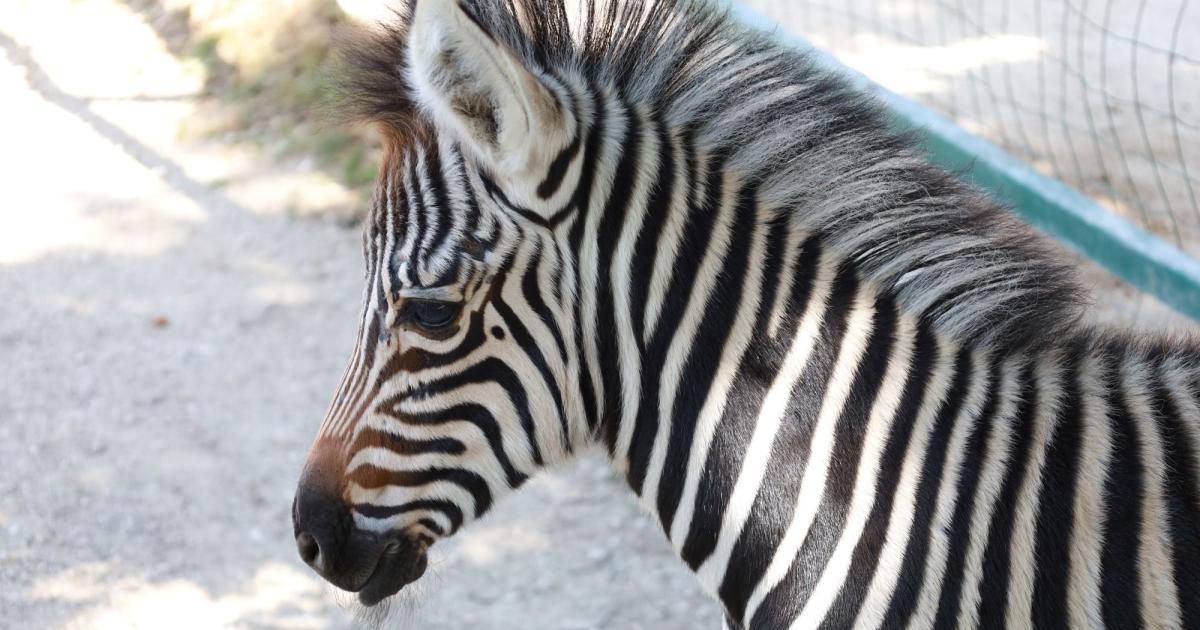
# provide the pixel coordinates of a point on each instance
(176, 309)
(121, 505)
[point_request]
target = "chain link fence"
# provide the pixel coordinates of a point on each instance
(1101, 94)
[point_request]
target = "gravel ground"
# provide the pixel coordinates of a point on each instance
(170, 335)
(169, 347)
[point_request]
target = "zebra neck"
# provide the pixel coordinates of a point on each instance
(816, 454)
(812, 447)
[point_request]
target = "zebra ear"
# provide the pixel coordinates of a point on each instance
(475, 86)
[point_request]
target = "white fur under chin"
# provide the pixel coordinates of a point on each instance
(402, 610)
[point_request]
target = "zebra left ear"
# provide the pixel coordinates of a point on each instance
(477, 87)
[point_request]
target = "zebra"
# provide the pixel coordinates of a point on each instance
(852, 389)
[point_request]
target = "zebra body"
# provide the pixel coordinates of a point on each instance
(852, 390)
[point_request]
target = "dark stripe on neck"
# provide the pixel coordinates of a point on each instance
(1182, 498)
(912, 572)
(759, 367)
(980, 442)
(616, 209)
(789, 596)
(708, 346)
(1124, 493)
(581, 201)
(702, 216)
(866, 554)
(775, 502)
(562, 162)
(1056, 505)
(658, 210)
(996, 568)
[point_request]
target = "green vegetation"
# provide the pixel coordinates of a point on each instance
(267, 76)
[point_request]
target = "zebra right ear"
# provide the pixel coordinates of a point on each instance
(482, 92)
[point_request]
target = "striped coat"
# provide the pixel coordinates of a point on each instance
(853, 390)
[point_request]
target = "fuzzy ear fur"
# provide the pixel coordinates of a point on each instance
(478, 89)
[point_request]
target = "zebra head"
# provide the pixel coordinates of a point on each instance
(461, 382)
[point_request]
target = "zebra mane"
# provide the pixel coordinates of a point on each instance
(817, 150)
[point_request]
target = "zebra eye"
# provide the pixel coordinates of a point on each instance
(430, 314)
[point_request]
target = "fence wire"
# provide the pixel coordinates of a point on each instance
(1101, 94)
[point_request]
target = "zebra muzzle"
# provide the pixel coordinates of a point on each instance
(375, 565)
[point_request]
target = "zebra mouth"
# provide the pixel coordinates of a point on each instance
(401, 563)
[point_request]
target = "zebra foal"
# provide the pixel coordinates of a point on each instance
(853, 390)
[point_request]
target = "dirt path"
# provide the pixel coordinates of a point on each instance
(170, 336)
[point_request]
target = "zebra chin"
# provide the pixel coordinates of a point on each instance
(401, 562)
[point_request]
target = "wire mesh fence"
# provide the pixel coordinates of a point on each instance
(1101, 94)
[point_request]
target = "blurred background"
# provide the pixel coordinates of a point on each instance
(179, 281)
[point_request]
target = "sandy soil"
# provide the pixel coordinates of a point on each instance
(170, 333)
(170, 336)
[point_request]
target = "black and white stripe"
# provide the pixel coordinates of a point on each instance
(850, 387)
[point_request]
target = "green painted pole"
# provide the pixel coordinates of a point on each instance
(1128, 251)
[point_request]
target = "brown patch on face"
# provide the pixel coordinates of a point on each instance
(325, 469)
(369, 438)
(369, 477)
(403, 360)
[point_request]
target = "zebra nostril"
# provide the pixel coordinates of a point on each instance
(308, 547)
